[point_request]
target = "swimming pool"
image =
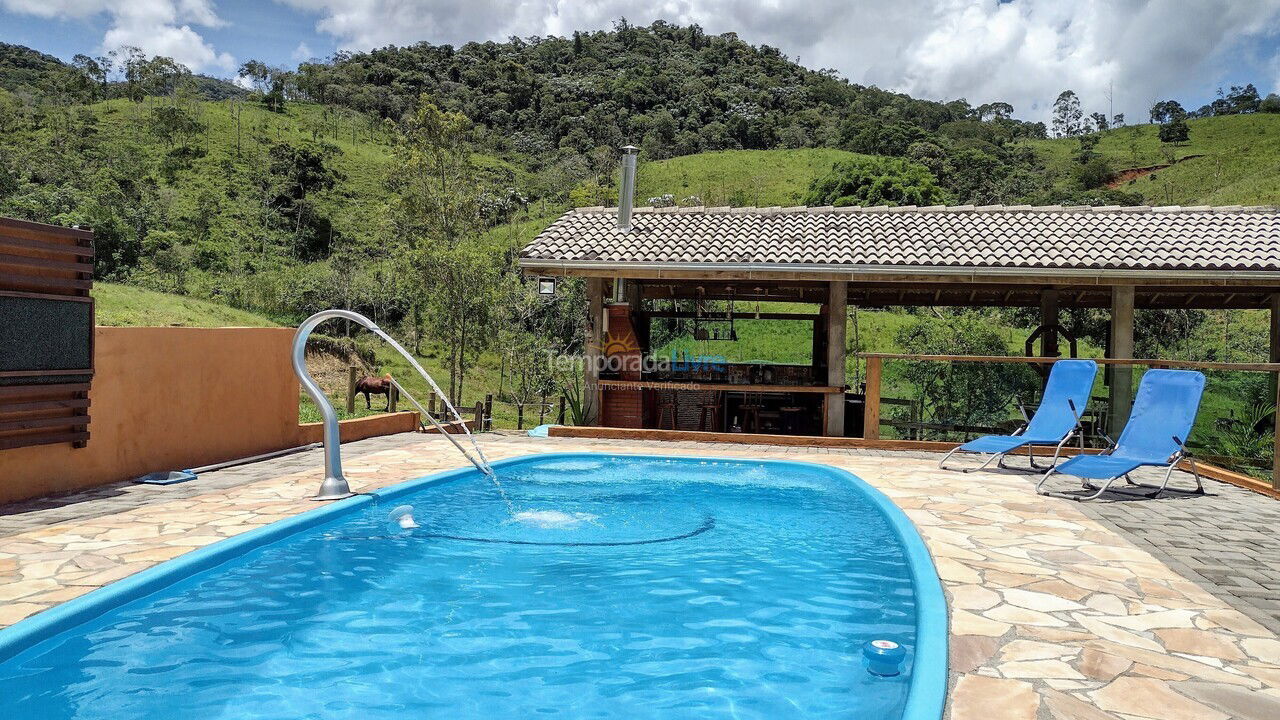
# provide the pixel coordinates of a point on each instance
(610, 586)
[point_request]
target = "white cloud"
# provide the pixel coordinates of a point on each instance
(302, 53)
(1023, 51)
(159, 27)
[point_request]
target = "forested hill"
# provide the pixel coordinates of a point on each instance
(31, 73)
(674, 90)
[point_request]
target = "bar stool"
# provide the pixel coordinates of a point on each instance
(751, 408)
(667, 408)
(710, 409)
(792, 420)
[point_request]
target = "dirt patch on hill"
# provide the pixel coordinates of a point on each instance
(1124, 176)
(328, 360)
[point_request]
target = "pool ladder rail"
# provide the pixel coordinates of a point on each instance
(335, 486)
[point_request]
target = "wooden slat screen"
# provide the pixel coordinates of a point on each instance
(46, 334)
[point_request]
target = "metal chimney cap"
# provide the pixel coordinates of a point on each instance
(630, 149)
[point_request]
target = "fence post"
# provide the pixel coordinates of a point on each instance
(488, 412)
(393, 397)
(431, 403)
(560, 415)
(542, 410)
(519, 416)
(478, 423)
(871, 404)
(352, 376)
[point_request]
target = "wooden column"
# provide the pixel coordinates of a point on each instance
(1121, 347)
(596, 288)
(1049, 318)
(837, 303)
(871, 410)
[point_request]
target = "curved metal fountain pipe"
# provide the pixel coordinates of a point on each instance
(335, 486)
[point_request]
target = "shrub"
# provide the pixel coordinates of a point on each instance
(876, 181)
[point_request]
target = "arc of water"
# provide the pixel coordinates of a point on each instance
(335, 484)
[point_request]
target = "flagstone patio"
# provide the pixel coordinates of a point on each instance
(1058, 610)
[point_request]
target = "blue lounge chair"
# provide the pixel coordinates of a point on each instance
(1161, 419)
(1056, 421)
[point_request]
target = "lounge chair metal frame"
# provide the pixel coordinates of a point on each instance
(1156, 490)
(1164, 409)
(1076, 433)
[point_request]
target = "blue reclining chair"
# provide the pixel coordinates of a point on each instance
(1056, 421)
(1161, 419)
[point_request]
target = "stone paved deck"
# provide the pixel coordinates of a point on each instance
(1058, 610)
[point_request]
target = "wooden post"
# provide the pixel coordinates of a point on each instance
(837, 303)
(488, 412)
(594, 344)
(871, 409)
(431, 403)
(352, 378)
(1274, 356)
(393, 398)
(1275, 447)
(519, 416)
(560, 415)
(1049, 318)
(1121, 347)
(542, 409)
(477, 425)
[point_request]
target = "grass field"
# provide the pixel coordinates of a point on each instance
(736, 177)
(1239, 164)
(125, 305)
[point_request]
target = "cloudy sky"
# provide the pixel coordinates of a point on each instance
(1020, 51)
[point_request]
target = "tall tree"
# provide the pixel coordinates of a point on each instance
(1067, 115)
(437, 209)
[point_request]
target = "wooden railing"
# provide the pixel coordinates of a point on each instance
(875, 369)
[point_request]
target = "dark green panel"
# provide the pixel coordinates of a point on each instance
(37, 334)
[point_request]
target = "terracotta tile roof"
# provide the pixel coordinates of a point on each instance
(1134, 238)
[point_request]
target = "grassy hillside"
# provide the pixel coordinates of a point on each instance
(124, 305)
(1240, 163)
(736, 177)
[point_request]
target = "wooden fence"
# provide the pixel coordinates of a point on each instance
(46, 334)
(875, 369)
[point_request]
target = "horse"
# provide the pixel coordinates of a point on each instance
(370, 385)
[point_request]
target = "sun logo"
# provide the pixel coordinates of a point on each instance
(619, 344)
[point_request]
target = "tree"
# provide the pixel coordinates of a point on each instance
(1175, 132)
(1240, 100)
(1117, 120)
(875, 181)
(994, 111)
(1067, 115)
(1270, 104)
(1099, 121)
(1167, 111)
(436, 208)
(963, 394)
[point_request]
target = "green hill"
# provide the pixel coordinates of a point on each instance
(124, 306)
(739, 178)
(1230, 160)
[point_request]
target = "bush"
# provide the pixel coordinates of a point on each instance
(1094, 173)
(875, 181)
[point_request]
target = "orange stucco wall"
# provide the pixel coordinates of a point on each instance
(173, 398)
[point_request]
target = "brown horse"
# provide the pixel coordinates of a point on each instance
(371, 385)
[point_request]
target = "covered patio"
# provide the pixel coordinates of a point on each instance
(703, 265)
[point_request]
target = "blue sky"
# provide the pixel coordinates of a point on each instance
(1020, 51)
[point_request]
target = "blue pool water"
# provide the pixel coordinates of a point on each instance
(622, 588)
